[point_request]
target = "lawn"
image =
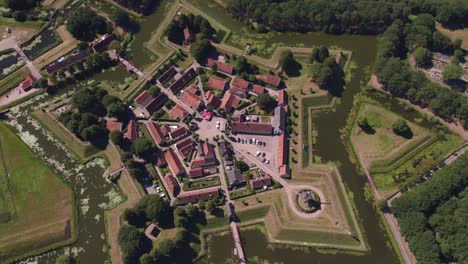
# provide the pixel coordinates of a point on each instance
(206, 182)
(10, 22)
(455, 34)
(13, 79)
(38, 210)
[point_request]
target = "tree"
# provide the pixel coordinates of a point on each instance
(323, 53)
(400, 127)
(241, 165)
(43, 83)
(210, 206)
(84, 24)
(452, 72)
(159, 211)
(65, 259)
(201, 49)
(20, 4)
(167, 247)
(19, 16)
(116, 110)
(266, 102)
(85, 101)
(365, 126)
(423, 57)
(191, 211)
(142, 147)
(121, 18)
(201, 203)
(154, 91)
(117, 137)
(132, 242)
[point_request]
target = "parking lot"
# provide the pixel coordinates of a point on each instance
(262, 148)
(209, 129)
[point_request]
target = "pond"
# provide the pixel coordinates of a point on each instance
(92, 192)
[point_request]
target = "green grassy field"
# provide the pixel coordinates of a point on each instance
(37, 206)
(13, 79)
(10, 22)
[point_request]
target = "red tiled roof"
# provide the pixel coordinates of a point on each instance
(282, 97)
(195, 173)
(142, 97)
(258, 183)
(251, 128)
(28, 82)
(221, 66)
(285, 171)
(178, 112)
(184, 143)
(238, 91)
(112, 125)
(185, 150)
(191, 99)
(217, 83)
(177, 133)
(187, 34)
(258, 89)
(212, 100)
(195, 196)
(229, 101)
(155, 132)
(131, 133)
(273, 80)
(282, 150)
(174, 163)
(172, 185)
(241, 83)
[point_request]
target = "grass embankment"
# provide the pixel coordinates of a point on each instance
(81, 150)
(37, 211)
(10, 22)
(394, 161)
(12, 80)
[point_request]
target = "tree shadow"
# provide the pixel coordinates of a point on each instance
(459, 85)
(337, 83)
(218, 212)
(367, 129)
(294, 69)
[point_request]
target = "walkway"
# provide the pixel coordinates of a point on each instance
(239, 251)
(131, 67)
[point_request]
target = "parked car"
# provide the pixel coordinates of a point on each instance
(258, 153)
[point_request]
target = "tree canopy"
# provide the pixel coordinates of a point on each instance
(143, 147)
(400, 127)
(20, 4)
(452, 72)
(266, 102)
(84, 24)
(201, 49)
(423, 57)
(141, 6)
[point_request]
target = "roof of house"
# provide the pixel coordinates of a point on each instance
(212, 100)
(191, 99)
(260, 182)
(184, 143)
(174, 162)
(28, 82)
(196, 172)
(143, 98)
(284, 171)
(241, 83)
(282, 97)
(101, 44)
(172, 184)
(282, 150)
(251, 128)
(258, 89)
(206, 156)
(113, 125)
(177, 133)
(156, 103)
(225, 151)
(229, 101)
(131, 133)
(238, 91)
(178, 112)
(155, 132)
(235, 177)
(176, 86)
(217, 83)
(160, 159)
(279, 119)
(195, 196)
(221, 66)
(53, 67)
(187, 33)
(273, 80)
(167, 75)
(184, 151)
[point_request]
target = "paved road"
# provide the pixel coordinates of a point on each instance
(393, 222)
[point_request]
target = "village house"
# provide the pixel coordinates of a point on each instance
(226, 153)
(211, 99)
(239, 92)
(241, 83)
(167, 75)
(195, 173)
(229, 102)
(235, 178)
(217, 83)
(279, 120)
(199, 195)
(285, 172)
(173, 186)
(190, 98)
(155, 133)
(63, 63)
(131, 133)
(150, 103)
(178, 133)
(282, 98)
(260, 182)
(205, 156)
(184, 147)
(178, 113)
(102, 43)
(28, 83)
(174, 163)
(258, 89)
(221, 66)
(283, 149)
(113, 125)
(270, 79)
(251, 128)
(176, 86)
(160, 160)
(189, 38)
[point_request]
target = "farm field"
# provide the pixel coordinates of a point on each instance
(37, 206)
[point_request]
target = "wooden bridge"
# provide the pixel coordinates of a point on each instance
(131, 67)
(238, 250)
